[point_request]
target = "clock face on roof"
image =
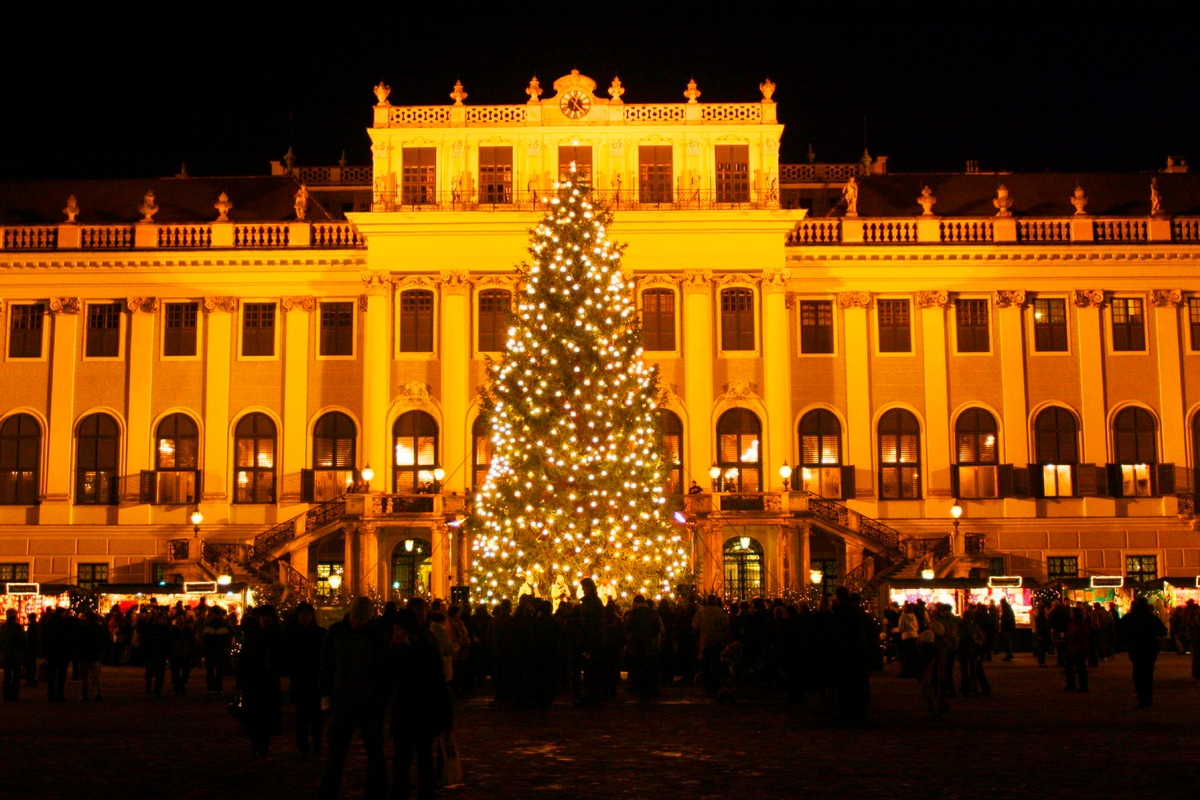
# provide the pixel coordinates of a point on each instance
(575, 104)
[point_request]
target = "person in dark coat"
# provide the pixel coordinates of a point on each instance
(33, 648)
(356, 683)
(260, 667)
(215, 642)
(1076, 651)
(58, 646)
(421, 710)
(93, 639)
(849, 660)
(304, 639)
(1140, 630)
(183, 651)
(12, 654)
(154, 633)
(644, 632)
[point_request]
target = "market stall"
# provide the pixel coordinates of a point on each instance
(233, 597)
(30, 598)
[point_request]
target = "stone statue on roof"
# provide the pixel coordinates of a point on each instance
(850, 195)
(1002, 202)
(1079, 200)
(148, 208)
(223, 207)
(1156, 209)
(72, 210)
(382, 90)
(926, 201)
(301, 204)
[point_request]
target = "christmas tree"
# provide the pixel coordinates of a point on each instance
(575, 482)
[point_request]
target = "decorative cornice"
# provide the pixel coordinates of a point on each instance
(736, 279)
(136, 304)
(377, 282)
(890, 255)
(697, 280)
(455, 282)
(656, 280)
(415, 282)
(932, 298)
(64, 305)
(1166, 297)
(1085, 298)
(854, 299)
(774, 280)
(298, 303)
(229, 304)
(1009, 297)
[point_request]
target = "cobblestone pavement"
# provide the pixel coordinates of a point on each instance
(1029, 739)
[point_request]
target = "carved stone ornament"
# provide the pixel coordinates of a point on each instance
(668, 395)
(926, 201)
(298, 303)
(228, 304)
(362, 302)
(1010, 297)
(767, 88)
(148, 209)
(1079, 200)
(775, 279)
(615, 90)
(136, 304)
(415, 393)
(458, 95)
(1166, 297)
(64, 305)
(455, 280)
(300, 204)
(789, 299)
(854, 299)
(1002, 202)
(697, 278)
(506, 282)
(534, 90)
(1156, 206)
(377, 282)
(929, 299)
(692, 94)
(72, 210)
(223, 207)
(1083, 298)
(382, 90)
(739, 390)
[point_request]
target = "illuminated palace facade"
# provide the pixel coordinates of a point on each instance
(844, 356)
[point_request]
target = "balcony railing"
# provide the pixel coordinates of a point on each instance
(185, 236)
(988, 230)
(514, 198)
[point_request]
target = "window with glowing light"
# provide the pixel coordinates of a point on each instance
(1060, 567)
(899, 456)
(337, 329)
(1140, 570)
(821, 453)
(14, 573)
(1050, 325)
(672, 427)
(581, 156)
(1056, 443)
(743, 568)
(658, 320)
(971, 324)
(103, 339)
(416, 321)
(733, 173)
(655, 173)
(20, 460)
(739, 453)
(415, 439)
(895, 326)
(325, 569)
(975, 440)
(334, 455)
(412, 568)
(91, 576)
(816, 327)
(176, 460)
(25, 330)
(418, 176)
(254, 467)
(1128, 324)
(495, 175)
(495, 308)
(481, 451)
(1135, 446)
(737, 319)
(179, 329)
(97, 457)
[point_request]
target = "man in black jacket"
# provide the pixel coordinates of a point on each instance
(1141, 630)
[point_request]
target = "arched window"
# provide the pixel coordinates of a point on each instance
(176, 461)
(1055, 436)
(821, 453)
(481, 452)
(334, 455)
(20, 456)
(255, 452)
(739, 454)
(411, 568)
(672, 428)
(1135, 446)
(96, 461)
(743, 568)
(899, 456)
(975, 448)
(416, 451)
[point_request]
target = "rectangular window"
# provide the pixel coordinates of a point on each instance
(495, 174)
(822, 481)
(977, 481)
(1128, 325)
(103, 330)
(737, 319)
(258, 329)
(654, 173)
(337, 329)
(1194, 321)
(581, 157)
(1135, 480)
(1059, 567)
(92, 576)
(658, 319)
(418, 176)
(733, 173)
(895, 329)
(816, 326)
(1141, 570)
(176, 487)
(179, 329)
(1050, 325)
(25, 330)
(14, 573)
(494, 308)
(326, 569)
(1057, 480)
(971, 318)
(416, 321)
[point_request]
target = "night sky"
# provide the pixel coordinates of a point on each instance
(227, 87)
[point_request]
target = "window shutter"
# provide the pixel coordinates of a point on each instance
(148, 490)
(1036, 487)
(197, 490)
(308, 485)
(1005, 484)
(1164, 475)
(1115, 481)
(848, 492)
(1087, 480)
(954, 480)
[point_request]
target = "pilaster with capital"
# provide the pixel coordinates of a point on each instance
(934, 352)
(64, 322)
(1093, 406)
(1167, 303)
(140, 360)
(856, 323)
(1009, 314)
(699, 350)
(377, 371)
(456, 344)
(777, 373)
(218, 328)
(297, 321)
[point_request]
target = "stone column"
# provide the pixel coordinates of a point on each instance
(1170, 375)
(377, 376)
(698, 369)
(1094, 426)
(856, 323)
(1009, 325)
(56, 503)
(221, 312)
(777, 377)
(937, 393)
(298, 315)
(139, 377)
(455, 346)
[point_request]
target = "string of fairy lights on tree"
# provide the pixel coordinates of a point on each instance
(577, 472)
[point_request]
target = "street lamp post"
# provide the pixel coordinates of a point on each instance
(785, 473)
(197, 518)
(367, 474)
(714, 472)
(956, 544)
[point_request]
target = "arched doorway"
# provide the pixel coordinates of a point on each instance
(412, 568)
(743, 568)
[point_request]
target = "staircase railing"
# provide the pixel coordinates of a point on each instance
(857, 578)
(289, 529)
(937, 549)
(216, 556)
(887, 540)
